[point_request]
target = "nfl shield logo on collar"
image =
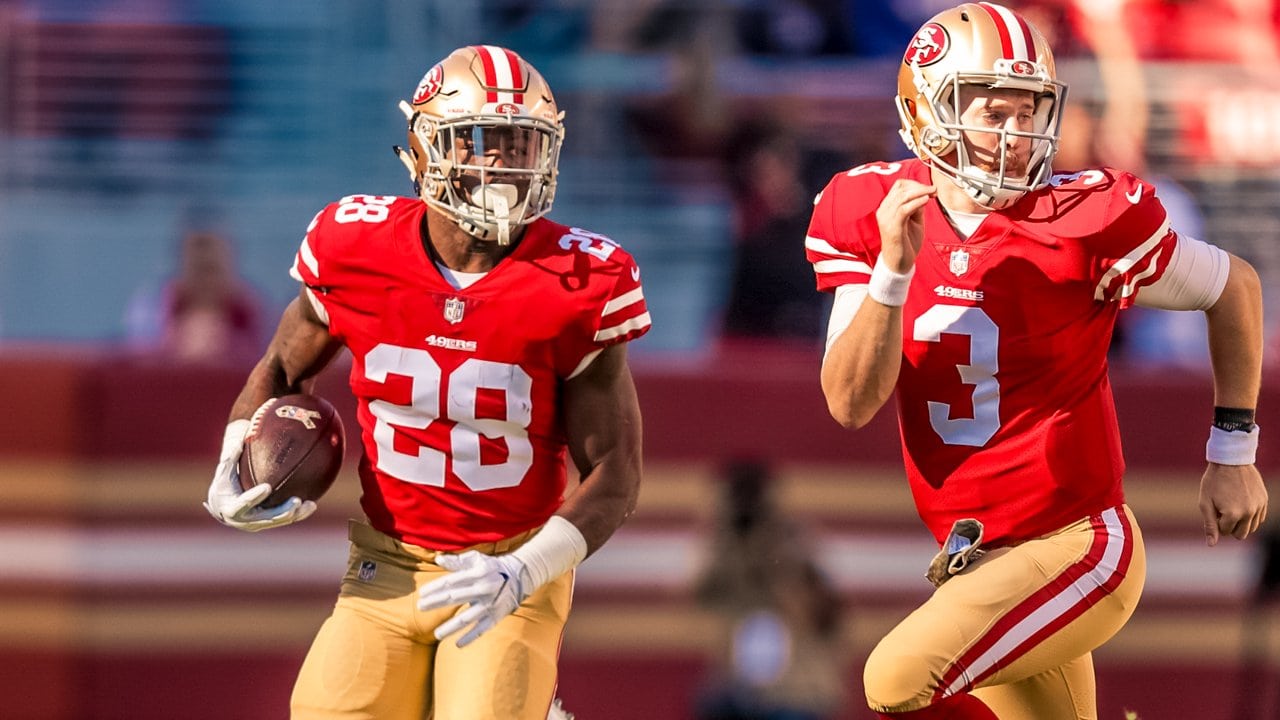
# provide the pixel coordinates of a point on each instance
(959, 262)
(453, 309)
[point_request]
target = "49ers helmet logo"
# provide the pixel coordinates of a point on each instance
(1022, 67)
(929, 45)
(429, 86)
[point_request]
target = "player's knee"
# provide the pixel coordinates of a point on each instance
(897, 679)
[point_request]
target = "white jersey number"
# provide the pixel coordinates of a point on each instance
(588, 242)
(875, 168)
(984, 339)
(364, 208)
(461, 388)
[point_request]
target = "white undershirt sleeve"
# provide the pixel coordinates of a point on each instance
(848, 299)
(1193, 280)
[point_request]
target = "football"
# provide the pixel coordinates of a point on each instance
(295, 444)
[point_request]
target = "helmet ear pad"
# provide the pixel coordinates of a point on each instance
(925, 138)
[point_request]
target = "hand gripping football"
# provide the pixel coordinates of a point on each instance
(295, 444)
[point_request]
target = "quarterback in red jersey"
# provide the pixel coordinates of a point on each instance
(984, 288)
(488, 347)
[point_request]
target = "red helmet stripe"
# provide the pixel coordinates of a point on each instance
(490, 72)
(502, 76)
(1015, 34)
(517, 77)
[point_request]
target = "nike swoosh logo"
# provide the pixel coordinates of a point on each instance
(1134, 196)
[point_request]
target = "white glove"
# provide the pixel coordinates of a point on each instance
(492, 586)
(238, 509)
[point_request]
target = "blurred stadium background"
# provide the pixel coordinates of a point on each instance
(122, 124)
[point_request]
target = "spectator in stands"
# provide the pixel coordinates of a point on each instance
(771, 290)
(204, 313)
(691, 121)
(780, 655)
(794, 28)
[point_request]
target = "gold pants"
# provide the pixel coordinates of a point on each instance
(1017, 627)
(376, 658)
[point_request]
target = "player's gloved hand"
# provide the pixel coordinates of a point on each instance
(238, 509)
(491, 586)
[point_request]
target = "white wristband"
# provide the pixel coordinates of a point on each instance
(555, 550)
(1232, 448)
(888, 287)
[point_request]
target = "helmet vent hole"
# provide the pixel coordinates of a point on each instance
(964, 16)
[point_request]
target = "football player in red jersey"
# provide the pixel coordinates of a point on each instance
(488, 346)
(984, 288)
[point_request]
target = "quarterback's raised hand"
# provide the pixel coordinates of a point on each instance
(238, 509)
(900, 218)
(490, 586)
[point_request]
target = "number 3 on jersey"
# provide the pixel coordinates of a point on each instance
(980, 372)
(461, 386)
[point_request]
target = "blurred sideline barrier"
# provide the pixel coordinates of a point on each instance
(120, 598)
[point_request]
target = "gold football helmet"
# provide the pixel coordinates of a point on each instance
(484, 141)
(988, 45)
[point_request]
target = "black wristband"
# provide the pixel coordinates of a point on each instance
(1232, 419)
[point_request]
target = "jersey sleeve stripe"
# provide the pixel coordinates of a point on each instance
(842, 266)
(585, 363)
(636, 323)
(822, 247)
(1126, 263)
(1135, 282)
(308, 258)
(622, 301)
(321, 311)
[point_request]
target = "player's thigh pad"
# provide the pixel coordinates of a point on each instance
(509, 673)
(366, 661)
(1016, 613)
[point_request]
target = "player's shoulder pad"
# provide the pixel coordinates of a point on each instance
(598, 253)
(351, 215)
(1103, 203)
(844, 213)
(339, 234)
(859, 190)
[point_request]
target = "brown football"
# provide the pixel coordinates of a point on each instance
(295, 444)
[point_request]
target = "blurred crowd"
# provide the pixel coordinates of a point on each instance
(1177, 91)
(759, 101)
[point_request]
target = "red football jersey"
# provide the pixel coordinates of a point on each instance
(1004, 405)
(459, 391)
